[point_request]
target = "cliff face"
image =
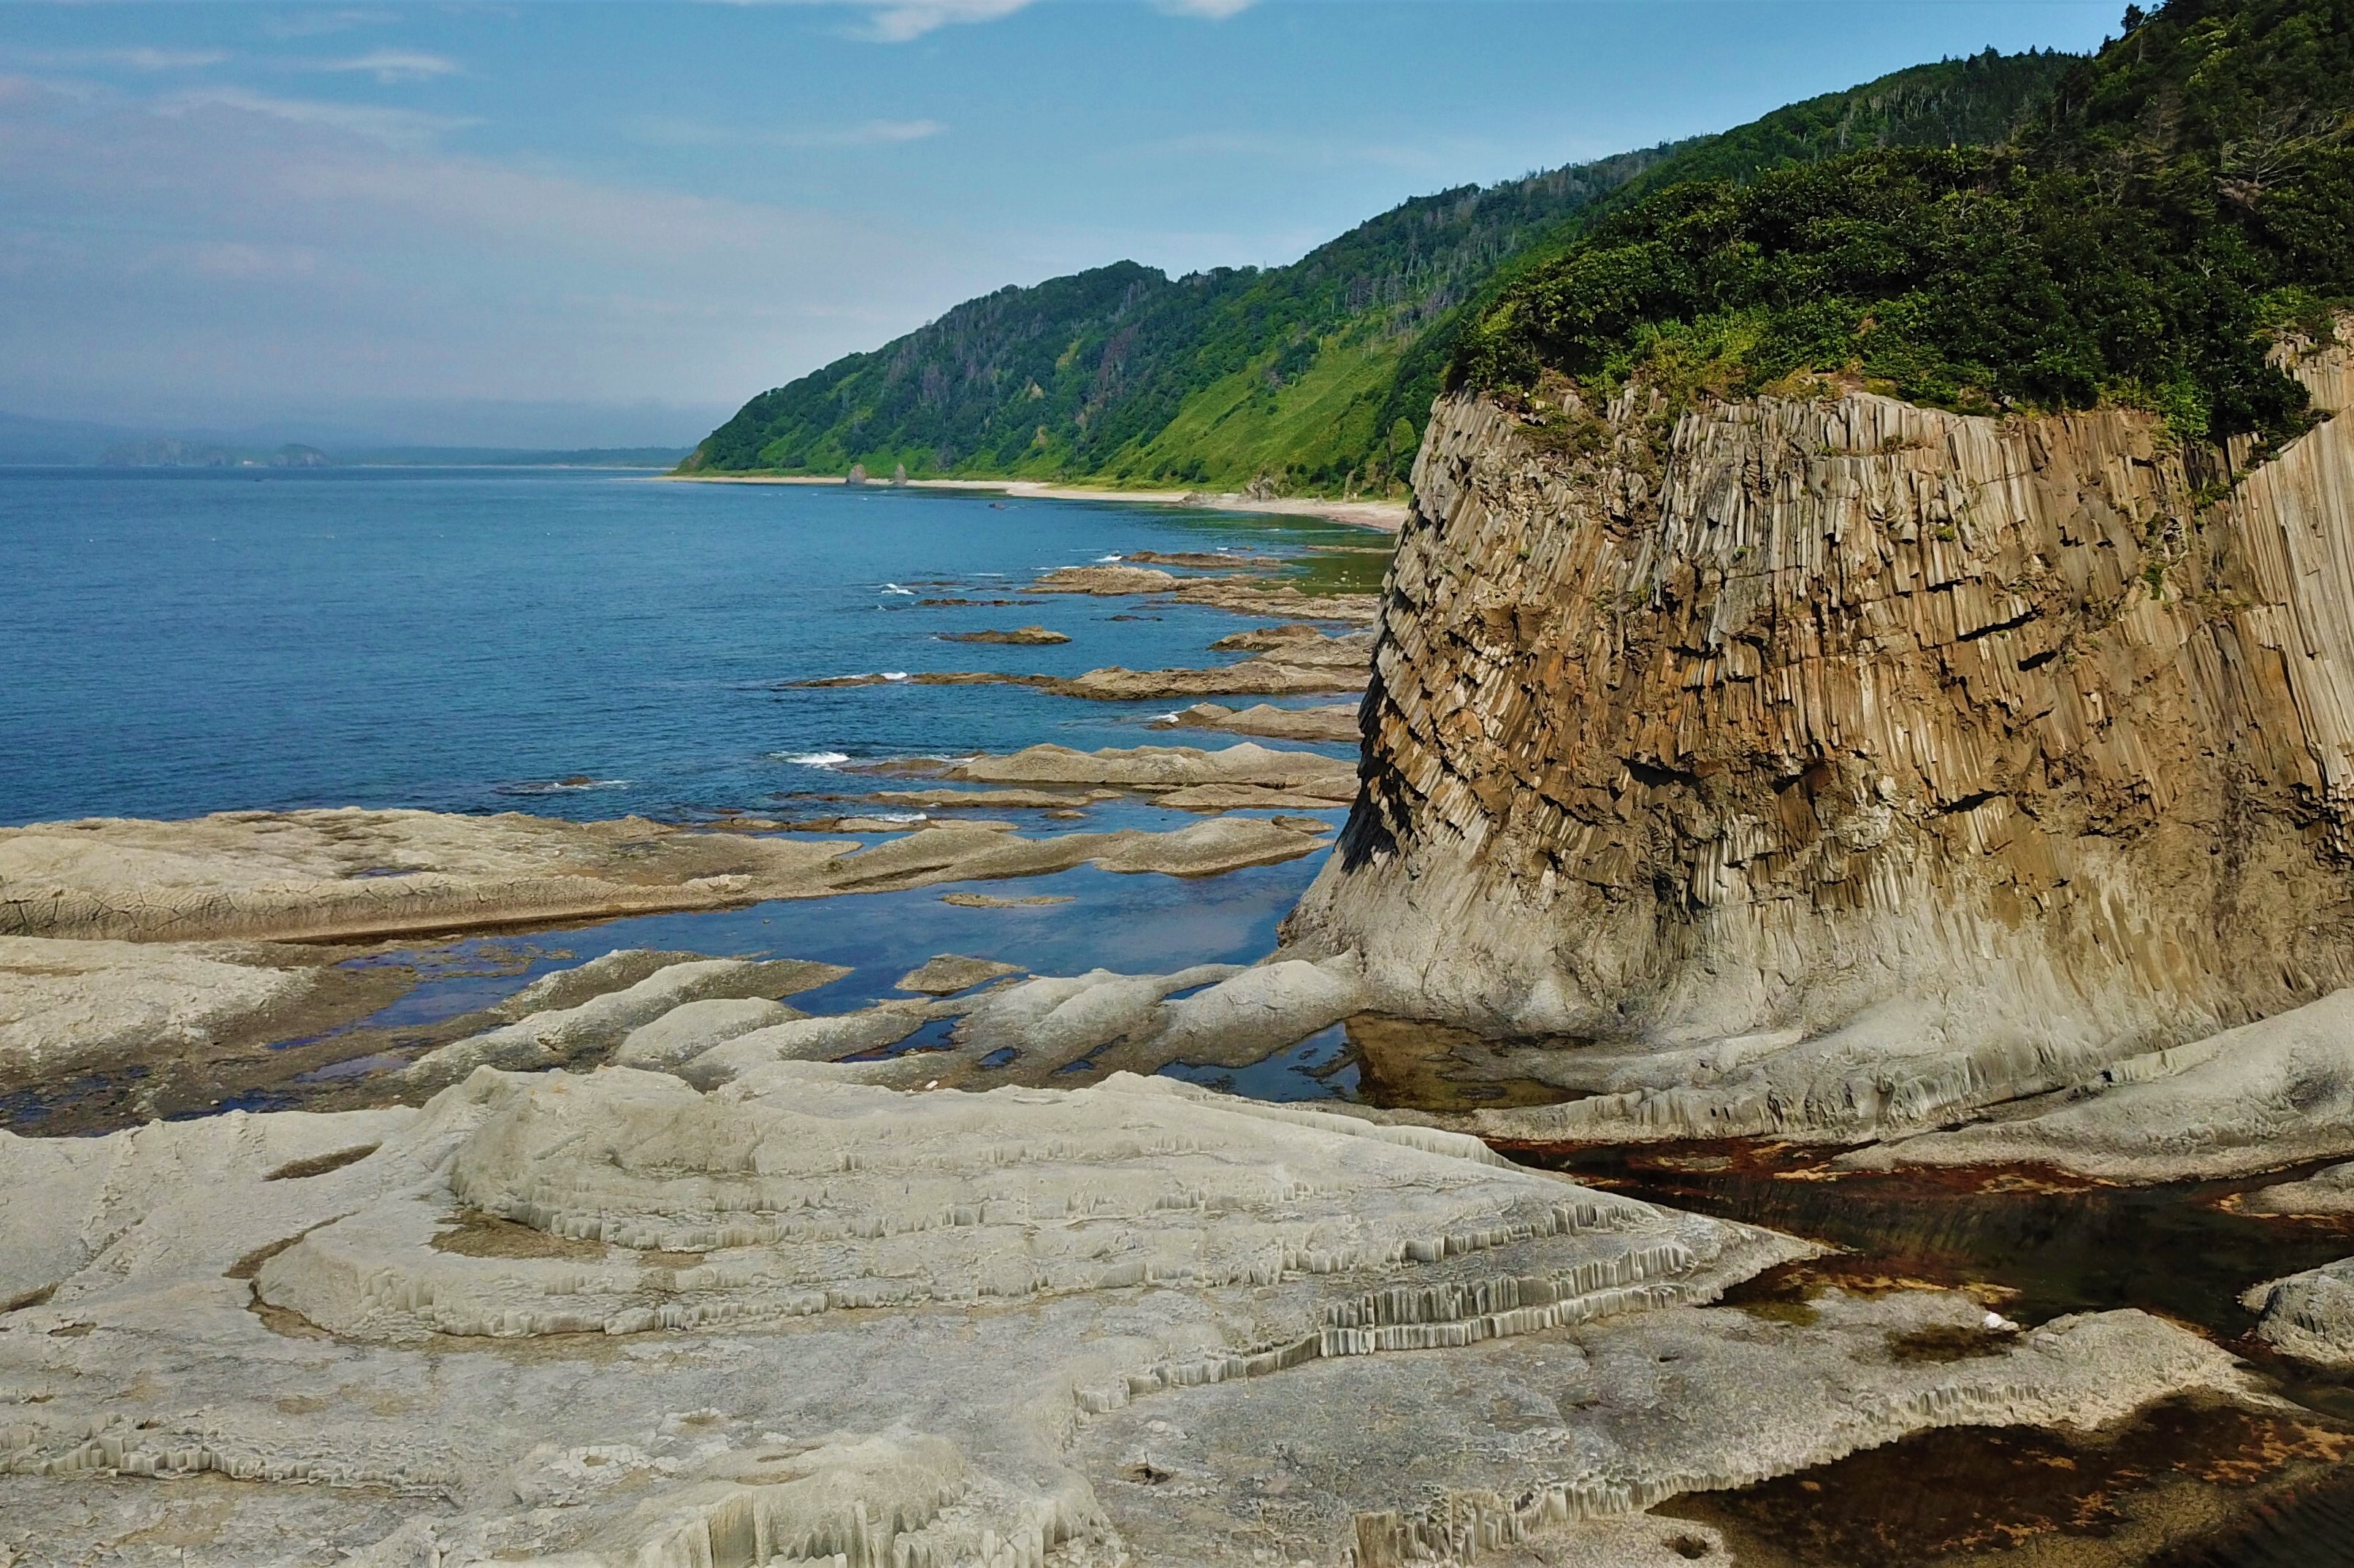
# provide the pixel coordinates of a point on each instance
(1989, 748)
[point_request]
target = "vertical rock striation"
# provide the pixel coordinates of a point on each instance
(2008, 747)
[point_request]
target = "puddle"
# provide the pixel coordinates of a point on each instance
(2186, 1484)
(1320, 1068)
(2163, 1487)
(1407, 1062)
(2048, 1244)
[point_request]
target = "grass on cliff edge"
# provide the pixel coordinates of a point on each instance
(2187, 194)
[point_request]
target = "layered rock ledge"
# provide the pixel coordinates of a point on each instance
(1864, 763)
(354, 873)
(576, 1320)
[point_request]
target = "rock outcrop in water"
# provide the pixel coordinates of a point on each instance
(1869, 762)
(309, 875)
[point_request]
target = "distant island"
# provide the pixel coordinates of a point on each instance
(166, 452)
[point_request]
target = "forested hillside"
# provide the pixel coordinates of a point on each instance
(2181, 197)
(1312, 377)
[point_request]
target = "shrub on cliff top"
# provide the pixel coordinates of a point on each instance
(2188, 192)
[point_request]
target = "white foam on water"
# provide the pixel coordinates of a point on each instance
(812, 759)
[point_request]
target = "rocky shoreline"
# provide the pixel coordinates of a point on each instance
(968, 1274)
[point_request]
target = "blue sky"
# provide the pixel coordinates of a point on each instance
(613, 222)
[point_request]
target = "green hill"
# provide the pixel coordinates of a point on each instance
(1312, 377)
(2181, 197)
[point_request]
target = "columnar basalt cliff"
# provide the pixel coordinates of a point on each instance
(1897, 760)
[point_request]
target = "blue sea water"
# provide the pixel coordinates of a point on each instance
(463, 639)
(192, 641)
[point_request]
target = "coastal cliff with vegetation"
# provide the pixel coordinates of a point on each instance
(1872, 642)
(1314, 378)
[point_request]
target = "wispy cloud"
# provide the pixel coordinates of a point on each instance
(898, 21)
(313, 22)
(393, 127)
(142, 59)
(390, 65)
(662, 130)
(390, 270)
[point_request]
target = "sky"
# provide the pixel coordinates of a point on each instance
(609, 222)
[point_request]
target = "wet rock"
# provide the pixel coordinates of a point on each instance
(306, 874)
(948, 973)
(606, 973)
(1109, 581)
(597, 1026)
(64, 1001)
(297, 875)
(1054, 1019)
(2253, 1099)
(995, 800)
(1256, 797)
(691, 1027)
(2330, 1192)
(1165, 768)
(992, 901)
(825, 1039)
(1021, 637)
(2310, 1315)
(1247, 1016)
(1333, 722)
(1211, 559)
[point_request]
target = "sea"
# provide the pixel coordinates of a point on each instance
(591, 645)
(188, 640)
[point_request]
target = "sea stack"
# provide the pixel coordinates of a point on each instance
(2028, 738)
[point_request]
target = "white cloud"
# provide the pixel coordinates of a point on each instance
(390, 65)
(1215, 10)
(896, 21)
(662, 130)
(393, 127)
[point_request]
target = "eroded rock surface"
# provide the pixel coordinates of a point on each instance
(63, 1002)
(2310, 1315)
(605, 1320)
(351, 873)
(1330, 721)
(945, 974)
(1167, 767)
(2330, 1192)
(2268, 1093)
(1979, 748)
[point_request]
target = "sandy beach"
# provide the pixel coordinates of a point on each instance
(1388, 516)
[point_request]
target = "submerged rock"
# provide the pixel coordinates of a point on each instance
(1021, 637)
(947, 973)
